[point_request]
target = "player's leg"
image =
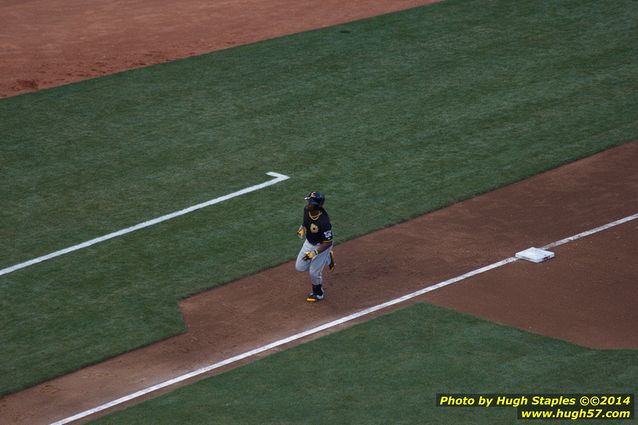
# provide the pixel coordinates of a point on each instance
(316, 275)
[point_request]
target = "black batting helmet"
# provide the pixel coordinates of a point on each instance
(315, 198)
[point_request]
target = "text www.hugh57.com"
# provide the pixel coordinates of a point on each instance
(574, 414)
(548, 406)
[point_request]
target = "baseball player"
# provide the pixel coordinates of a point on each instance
(316, 251)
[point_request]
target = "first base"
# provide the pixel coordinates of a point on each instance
(535, 255)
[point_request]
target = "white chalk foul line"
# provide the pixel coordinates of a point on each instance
(592, 231)
(278, 343)
(326, 326)
(277, 178)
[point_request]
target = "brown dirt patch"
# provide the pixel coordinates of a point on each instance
(585, 295)
(46, 43)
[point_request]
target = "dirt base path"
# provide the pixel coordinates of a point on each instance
(585, 295)
(46, 43)
(589, 281)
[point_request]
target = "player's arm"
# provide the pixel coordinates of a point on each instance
(324, 245)
(327, 240)
(301, 231)
(318, 250)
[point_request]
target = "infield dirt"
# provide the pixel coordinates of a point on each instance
(585, 295)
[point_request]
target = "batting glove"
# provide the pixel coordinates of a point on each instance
(309, 255)
(301, 232)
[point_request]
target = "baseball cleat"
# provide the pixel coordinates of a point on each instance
(313, 298)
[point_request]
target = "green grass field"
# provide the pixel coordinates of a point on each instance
(388, 371)
(407, 113)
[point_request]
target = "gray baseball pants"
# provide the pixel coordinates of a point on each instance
(315, 266)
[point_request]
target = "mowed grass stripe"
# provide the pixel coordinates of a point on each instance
(404, 114)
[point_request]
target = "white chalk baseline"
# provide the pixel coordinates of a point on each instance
(327, 326)
(277, 179)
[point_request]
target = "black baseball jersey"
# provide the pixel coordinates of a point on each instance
(319, 230)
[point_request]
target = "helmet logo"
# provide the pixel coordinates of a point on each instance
(315, 198)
